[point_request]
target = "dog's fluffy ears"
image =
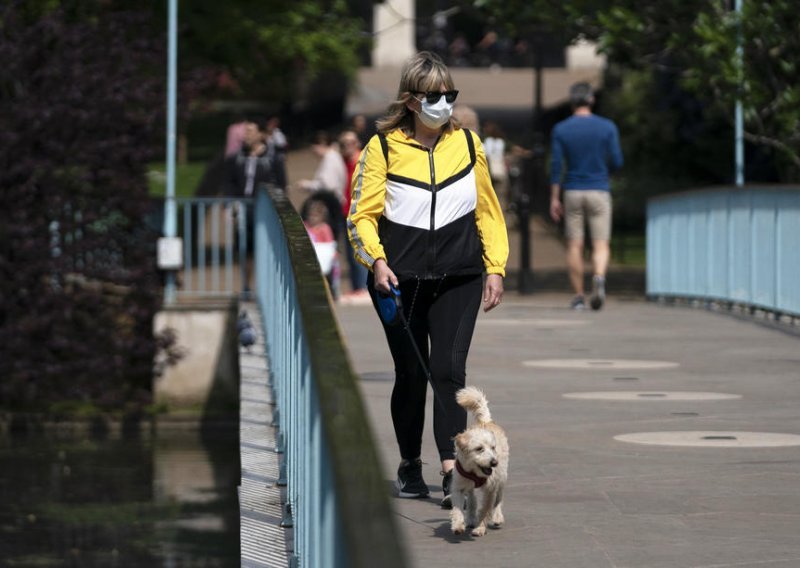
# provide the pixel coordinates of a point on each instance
(462, 440)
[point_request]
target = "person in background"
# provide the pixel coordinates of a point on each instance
(495, 147)
(278, 146)
(350, 147)
(467, 117)
(359, 125)
(425, 219)
(250, 166)
(315, 220)
(234, 137)
(329, 181)
(587, 147)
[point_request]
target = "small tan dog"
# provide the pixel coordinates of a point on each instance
(481, 468)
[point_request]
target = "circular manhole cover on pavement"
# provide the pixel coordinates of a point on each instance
(712, 439)
(651, 395)
(594, 364)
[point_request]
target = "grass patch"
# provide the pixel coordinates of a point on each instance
(629, 249)
(187, 178)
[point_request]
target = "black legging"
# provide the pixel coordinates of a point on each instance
(442, 311)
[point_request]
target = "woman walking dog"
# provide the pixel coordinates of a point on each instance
(424, 218)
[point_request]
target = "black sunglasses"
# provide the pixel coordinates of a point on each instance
(433, 96)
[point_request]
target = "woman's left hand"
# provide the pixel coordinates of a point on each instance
(492, 291)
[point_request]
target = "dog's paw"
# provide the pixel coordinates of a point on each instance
(457, 521)
(498, 520)
(480, 530)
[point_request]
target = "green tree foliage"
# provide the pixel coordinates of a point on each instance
(766, 76)
(693, 42)
(270, 49)
(699, 39)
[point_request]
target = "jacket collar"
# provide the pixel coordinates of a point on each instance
(397, 135)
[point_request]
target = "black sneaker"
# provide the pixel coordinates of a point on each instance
(447, 481)
(598, 292)
(410, 484)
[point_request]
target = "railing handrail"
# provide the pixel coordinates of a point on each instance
(711, 189)
(366, 521)
(739, 246)
(214, 199)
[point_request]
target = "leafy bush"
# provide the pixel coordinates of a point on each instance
(80, 100)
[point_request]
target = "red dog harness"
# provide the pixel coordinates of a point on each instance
(478, 481)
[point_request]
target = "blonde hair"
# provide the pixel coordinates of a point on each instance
(423, 72)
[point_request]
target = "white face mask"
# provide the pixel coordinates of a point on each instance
(435, 115)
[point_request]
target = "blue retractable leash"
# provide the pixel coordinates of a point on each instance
(390, 307)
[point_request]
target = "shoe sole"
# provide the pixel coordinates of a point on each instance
(597, 303)
(447, 502)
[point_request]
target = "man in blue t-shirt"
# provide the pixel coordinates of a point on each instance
(588, 145)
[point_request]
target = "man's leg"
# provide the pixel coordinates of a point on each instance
(573, 228)
(575, 265)
(599, 213)
(600, 255)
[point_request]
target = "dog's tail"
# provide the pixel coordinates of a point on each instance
(473, 399)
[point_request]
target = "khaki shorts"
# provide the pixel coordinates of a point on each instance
(590, 206)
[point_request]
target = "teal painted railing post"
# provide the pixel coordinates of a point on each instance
(170, 210)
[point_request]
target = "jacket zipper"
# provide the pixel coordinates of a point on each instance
(431, 234)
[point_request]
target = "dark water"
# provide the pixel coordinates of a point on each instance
(156, 500)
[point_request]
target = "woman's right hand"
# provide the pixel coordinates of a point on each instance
(383, 276)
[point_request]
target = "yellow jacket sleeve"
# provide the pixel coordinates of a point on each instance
(368, 188)
(489, 216)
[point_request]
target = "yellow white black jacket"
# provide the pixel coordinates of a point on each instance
(428, 213)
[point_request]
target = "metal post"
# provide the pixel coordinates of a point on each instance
(739, 114)
(525, 197)
(170, 209)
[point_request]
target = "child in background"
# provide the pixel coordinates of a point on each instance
(315, 219)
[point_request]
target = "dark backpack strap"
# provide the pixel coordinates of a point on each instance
(471, 145)
(384, 147)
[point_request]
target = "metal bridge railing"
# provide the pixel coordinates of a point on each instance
(337, 500)
(736, 246)
(214, 232)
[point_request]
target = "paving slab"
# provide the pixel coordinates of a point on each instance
(577, 497)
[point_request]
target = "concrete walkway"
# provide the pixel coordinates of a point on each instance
(578, 497)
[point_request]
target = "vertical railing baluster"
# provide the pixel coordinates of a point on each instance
(215, 209)
(242, 228)
(201, 247)
(187, 253)
(228, 228)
